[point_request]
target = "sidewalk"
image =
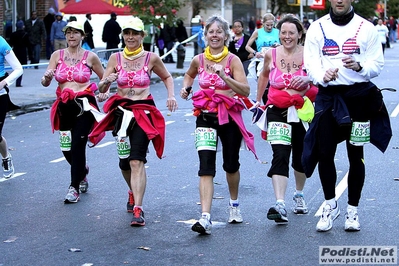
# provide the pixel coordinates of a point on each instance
(32, 96)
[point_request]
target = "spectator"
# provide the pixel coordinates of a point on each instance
(89, 32)
(181, 31)
(251, 25)
(196, 27)
(168, 34)
(111, 32)
(393, 34)
(36, 30)
(305, 23)
(57, 36)
(72, 18)
(147, 41)
(48, 22)
(19, 42)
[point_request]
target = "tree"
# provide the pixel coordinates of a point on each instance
(154, 11)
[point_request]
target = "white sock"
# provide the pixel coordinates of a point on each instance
(298, 192)
(136, 206)
(351, 207)
(207, 215)
(332, 203)
(234, 202)
(280, 201)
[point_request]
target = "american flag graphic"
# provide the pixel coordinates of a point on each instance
(350, 46)
(330, 47)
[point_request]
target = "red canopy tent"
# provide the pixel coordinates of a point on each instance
(93, 7)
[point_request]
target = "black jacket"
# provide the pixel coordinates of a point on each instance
(241, 53)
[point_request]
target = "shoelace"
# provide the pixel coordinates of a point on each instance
(137, 212)
(131, 198)
(299, 201)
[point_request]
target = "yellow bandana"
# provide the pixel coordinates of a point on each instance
(133, 55)
(216, 58)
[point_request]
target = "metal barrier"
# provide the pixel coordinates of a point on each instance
(105, 54)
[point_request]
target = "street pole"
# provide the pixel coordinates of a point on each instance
(222, 7)
(301, 9)
(385, 9)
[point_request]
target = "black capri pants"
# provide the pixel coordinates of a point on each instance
(230, 136)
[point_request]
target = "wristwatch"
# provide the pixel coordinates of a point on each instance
(360, 67)
(254, 53)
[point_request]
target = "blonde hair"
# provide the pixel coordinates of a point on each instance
(268, 16)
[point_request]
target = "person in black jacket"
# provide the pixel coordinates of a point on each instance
(181, 31)
(169, 37)
(111, 32)
(48, 21)
(238, 43)
(19, 42)
(89, 32)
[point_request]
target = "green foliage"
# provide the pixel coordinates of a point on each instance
(154, 11)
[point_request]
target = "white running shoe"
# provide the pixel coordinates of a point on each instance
(328, 216)
(8, 167)
(352, 220)
(235, 214)
(72, 196)
(203, 226)
(300, 204)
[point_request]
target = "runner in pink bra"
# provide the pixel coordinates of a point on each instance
(222, 81)
(131, 112)
(73, 111)
(289, 84)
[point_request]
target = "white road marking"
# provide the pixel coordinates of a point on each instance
(58, 160)
(338, 192)
(169, 122)
(14, 176)
(395, 111)
(104, 144)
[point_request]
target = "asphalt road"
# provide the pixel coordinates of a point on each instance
(37, 228)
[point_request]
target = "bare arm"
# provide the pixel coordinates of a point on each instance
(189, 77)
(239, 84)
(264, 76)
(160, 70)
(251, 40)
(49, 74)
(109, 75)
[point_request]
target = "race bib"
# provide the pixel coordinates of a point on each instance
(205, 139)
(65, 140)
(123, 147)
(279, 133)
(360, 133)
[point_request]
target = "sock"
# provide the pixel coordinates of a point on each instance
(141, 207)
(234, 203)
(280, 201)
(207, 215)
(332, 203)
(298, 192)
(351, 207)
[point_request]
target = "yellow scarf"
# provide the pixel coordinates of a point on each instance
(216, 58)
(133, 55)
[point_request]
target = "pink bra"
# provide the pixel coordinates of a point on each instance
(280, 80)
(80, 73)
(133, 79)
(212, 81)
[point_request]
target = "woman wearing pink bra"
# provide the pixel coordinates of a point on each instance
(222, 82)
(290, 89)
(131, 112)
(75, 110)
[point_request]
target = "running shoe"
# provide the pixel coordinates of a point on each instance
(84, 184)
(235, 214)
(278, 213)
(138, 217)
(352, 220)
(300, 204)
(72, 196)
(327, 217)
(203, 226)
(8, 167)
(130, 202)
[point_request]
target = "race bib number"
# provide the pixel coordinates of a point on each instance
(279, 133)
(123, 147)
(360, 133)
(205, 139)
(65, 140)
